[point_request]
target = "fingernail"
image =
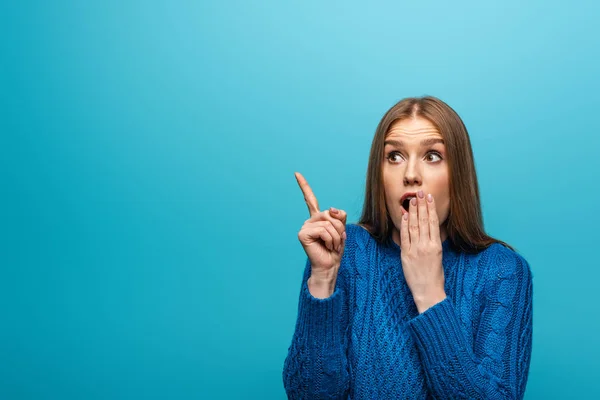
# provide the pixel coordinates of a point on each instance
(429, 198)
(405, 216)
(333, 210)
(344, 235)
(420, 194)
(413, 201)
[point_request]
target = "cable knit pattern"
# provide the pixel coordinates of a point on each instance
(368, 340)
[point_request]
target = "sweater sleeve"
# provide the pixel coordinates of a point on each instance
(316, 366)
(497, 365)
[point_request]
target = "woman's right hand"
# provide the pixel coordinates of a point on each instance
(323, 237)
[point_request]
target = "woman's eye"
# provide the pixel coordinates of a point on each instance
(392, 156)
(431, 156)
(435, 155)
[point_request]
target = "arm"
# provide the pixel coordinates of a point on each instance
(316, 366)
(496, 367)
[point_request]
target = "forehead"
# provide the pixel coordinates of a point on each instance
(413, 128)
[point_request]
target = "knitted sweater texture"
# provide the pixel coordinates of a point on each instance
(368, 340)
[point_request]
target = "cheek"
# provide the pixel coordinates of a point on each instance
(441, 190)
(443, 209)
(389, 186)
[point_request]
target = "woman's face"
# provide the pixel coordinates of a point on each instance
(415, 158)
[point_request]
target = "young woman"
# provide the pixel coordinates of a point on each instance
(415, 301)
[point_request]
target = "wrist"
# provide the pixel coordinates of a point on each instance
(321, 288)
(429, 300)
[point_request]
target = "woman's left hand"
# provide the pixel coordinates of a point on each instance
(421, 252)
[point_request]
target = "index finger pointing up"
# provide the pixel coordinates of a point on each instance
(309, 197)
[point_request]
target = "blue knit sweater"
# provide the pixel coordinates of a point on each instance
(368, 341)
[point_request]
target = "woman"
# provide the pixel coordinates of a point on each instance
(414, 301)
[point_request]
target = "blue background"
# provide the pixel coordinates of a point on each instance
(149, 211)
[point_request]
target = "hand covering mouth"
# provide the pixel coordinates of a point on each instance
(405, 200)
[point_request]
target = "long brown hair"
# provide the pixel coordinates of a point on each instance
(464, 224)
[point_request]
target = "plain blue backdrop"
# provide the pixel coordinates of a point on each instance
(149, 211)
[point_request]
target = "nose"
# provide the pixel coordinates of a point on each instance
(411, 174)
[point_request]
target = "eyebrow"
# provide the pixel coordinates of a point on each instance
(426, 142)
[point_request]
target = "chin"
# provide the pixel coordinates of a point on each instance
(397, 221)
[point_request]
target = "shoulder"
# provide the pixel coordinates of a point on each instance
(357, 236)
(357, 250)
(502, 262)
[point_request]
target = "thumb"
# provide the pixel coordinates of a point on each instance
(338, 214)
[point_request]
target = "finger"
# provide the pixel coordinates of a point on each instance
(335, 235)
(423, 216)
(343, 246)
(309, 197)
(413, 221)
(339, 226)
(434, 221)
(339, 214)
(404, 235)
(326, 216)
(321, 232)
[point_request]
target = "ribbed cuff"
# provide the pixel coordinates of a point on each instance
(319, 319)
(440, 337)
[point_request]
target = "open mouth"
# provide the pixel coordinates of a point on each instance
(406, 202)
